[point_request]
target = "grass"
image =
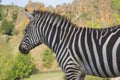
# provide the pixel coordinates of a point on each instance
(95, 78)
(47, 76)
(57, 76)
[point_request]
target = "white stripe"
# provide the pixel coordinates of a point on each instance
(114, 57)
(48, 25)
(80, 64)
(63, 25)
(96, 57)
(64, 32)
(89, 55)
(104, 52)
(82, 54)
(59, 53)
(63, 36)
(46, 16)
(39, 26)
(49, 35)
(55, 21)
(56, 32)
(62, 29)
(64, 56)
(74, 52)
(97, 34)
(65, 41)
(102, 35)
(54, 38)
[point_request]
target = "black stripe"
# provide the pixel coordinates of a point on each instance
(84, 48)
(90, 45)
(70, 45)
(66, 42)
(110, 48)
(99, 49)
(76, 45)
(118, 57)
(47, 15)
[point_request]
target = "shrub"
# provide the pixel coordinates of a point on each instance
(116, 5)
(22, 67)
(5, 59)
(47, 58)
(15, 32)
(7, 27)
(93, 24)
(15, 14)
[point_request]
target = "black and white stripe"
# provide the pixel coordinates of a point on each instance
(79, 51)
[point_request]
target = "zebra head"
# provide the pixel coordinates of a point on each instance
(31, 37)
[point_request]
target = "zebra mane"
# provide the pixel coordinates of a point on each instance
(55, 15)
(48, 12)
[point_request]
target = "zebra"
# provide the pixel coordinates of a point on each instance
(80, 51)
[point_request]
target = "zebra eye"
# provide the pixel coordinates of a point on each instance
(25, 30)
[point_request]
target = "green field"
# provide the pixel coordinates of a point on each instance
(56, 76)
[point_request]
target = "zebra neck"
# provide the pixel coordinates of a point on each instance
(56, 34)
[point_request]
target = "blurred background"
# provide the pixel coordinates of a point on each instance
(41, 63)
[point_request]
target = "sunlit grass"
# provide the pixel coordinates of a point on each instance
(47, 76)
(57, 76)
(95, 78)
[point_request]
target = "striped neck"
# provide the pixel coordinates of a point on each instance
(54, 29)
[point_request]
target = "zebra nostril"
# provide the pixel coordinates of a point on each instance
(23, 50)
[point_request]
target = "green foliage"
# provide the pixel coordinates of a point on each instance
(3, 12)
(116, 5)
(6, 58)
(47, 58)
(117, 18)
(0, 13)
(93, 24)
(15, 14)
(14, 67)
(83, 15)
(6, 27)
(22, 67)
(15, 32)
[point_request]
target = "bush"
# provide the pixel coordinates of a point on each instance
(14, 67)
(6, 59)
(92, 24)
(7, 27)
(15, 32)
(47, 58)
(116, 5)
(22, 67)
(15, 14)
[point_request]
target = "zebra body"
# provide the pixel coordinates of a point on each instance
(79, 51)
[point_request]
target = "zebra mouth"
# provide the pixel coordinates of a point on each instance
(23, 50)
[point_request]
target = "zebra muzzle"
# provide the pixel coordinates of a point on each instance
(23, 50)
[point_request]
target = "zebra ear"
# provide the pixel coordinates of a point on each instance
(28, 14)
